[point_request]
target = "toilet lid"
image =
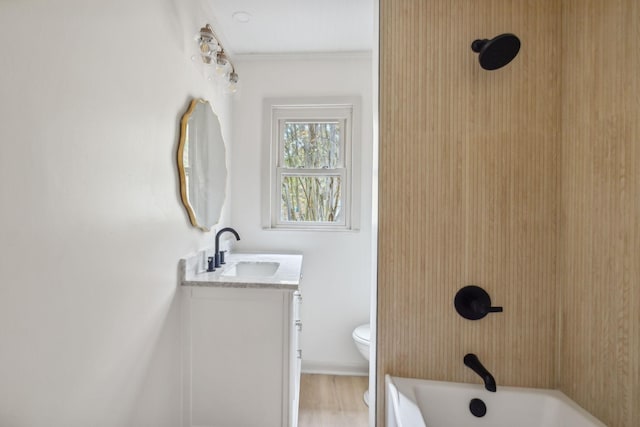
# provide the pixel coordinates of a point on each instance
(363, 332)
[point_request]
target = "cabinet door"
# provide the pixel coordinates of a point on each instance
(238, 364)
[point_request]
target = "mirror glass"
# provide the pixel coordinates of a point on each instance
(201, 165)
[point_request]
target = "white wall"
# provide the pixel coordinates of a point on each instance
(337, 265)
(91, 223)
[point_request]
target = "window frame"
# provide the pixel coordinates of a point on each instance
(278, 111)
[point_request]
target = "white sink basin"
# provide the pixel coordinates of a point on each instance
(251, 269)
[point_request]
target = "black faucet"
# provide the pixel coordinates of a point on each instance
(216, 255)
(472, 361)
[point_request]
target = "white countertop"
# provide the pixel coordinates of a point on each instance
(287, 275)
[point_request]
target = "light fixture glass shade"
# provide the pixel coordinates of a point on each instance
(208, 54)
(208, 46)
(207, 59)
(205, 34)
(232, 82)
(222, 65)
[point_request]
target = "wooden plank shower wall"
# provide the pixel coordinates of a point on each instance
(468, 190)
(525, 181)
(600, 246)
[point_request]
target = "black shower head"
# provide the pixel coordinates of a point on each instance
(497, 52)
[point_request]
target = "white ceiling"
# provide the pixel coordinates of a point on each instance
(294, 26)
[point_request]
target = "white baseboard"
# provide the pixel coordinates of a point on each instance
(327, 368)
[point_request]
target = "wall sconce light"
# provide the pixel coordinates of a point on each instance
(207, 44)
(212, 53)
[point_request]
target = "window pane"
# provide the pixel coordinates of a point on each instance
(311, 145)
(311, 198)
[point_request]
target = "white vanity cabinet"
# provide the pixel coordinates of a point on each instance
(241, 356)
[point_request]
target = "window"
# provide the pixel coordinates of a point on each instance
(310, 164)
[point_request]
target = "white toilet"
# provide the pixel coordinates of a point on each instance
(362, 337)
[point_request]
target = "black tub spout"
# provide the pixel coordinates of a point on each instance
(472, 361)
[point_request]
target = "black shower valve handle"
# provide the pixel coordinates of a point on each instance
(474, 303)
(481, 307)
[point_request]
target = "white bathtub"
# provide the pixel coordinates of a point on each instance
(424, 403)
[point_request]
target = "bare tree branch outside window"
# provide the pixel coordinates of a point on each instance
(315, 197)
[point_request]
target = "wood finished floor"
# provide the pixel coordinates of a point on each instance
(332, 401)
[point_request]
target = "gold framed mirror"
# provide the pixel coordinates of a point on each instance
(202, 164)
